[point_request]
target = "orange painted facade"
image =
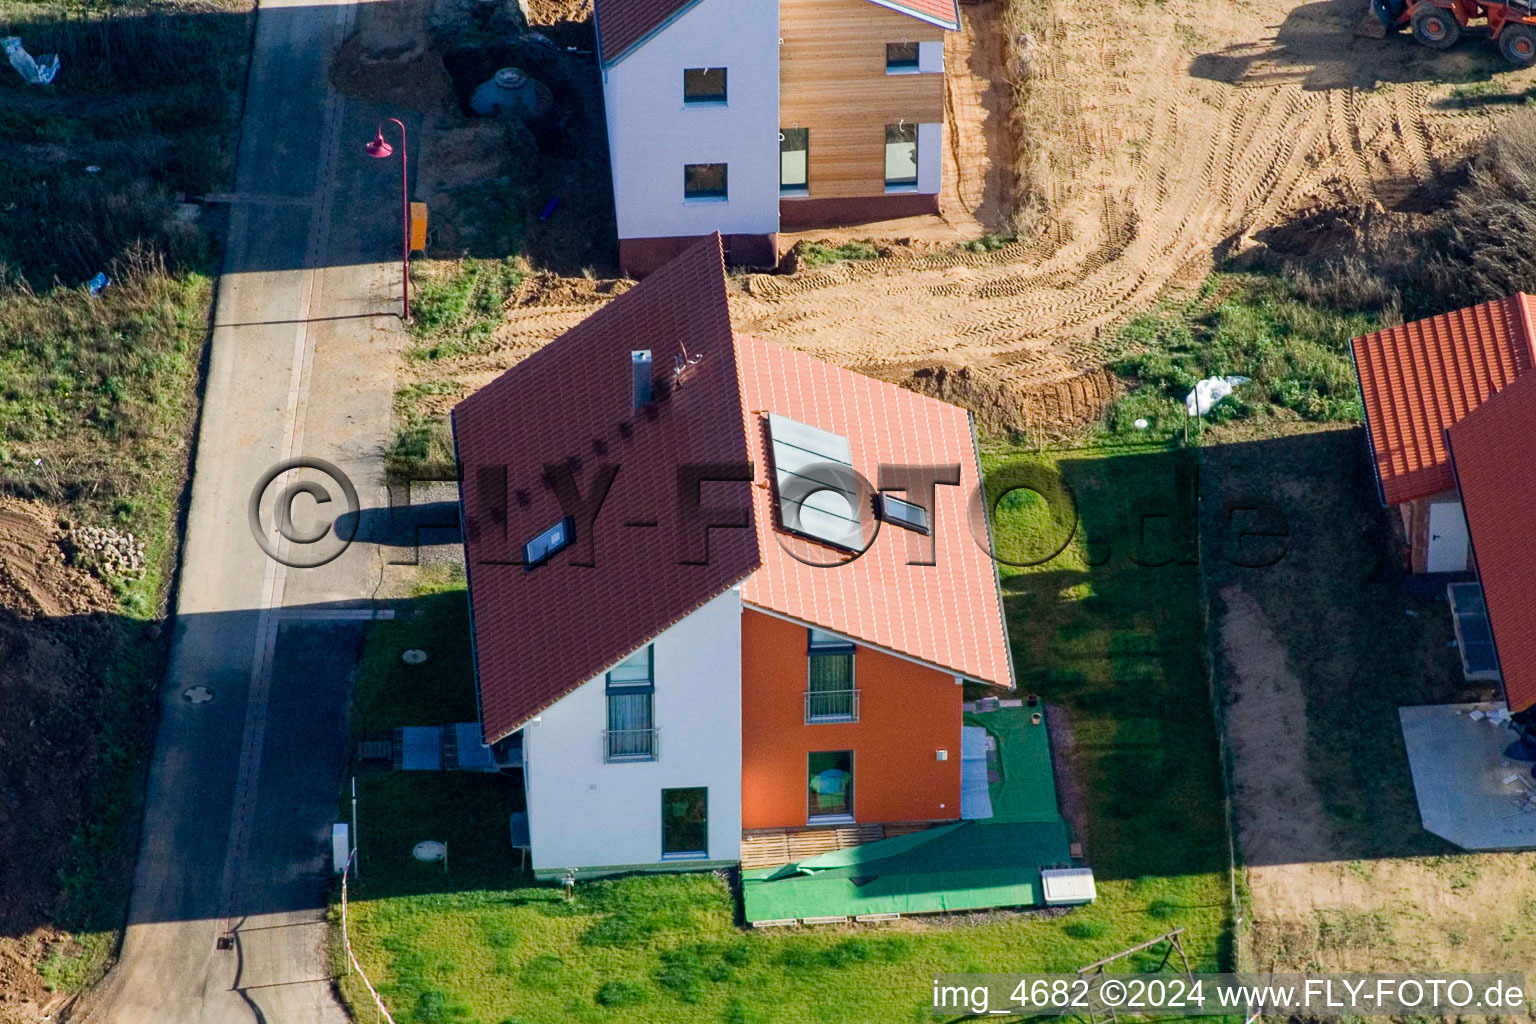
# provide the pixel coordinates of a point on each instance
(907, 713)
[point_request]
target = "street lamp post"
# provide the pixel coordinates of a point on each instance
(379, 149)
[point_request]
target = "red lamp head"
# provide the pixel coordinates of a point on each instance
(378, 148)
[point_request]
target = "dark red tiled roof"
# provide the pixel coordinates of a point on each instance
(948, 614)
(941, 12)
(1418, 379)
(1495, 460)
(539, 634)
(623, 23)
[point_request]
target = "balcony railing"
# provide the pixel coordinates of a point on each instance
(831, 706)
(629, 745)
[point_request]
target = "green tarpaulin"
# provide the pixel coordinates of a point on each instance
(970, 865)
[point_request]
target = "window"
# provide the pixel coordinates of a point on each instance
(794, 160)
(631, 733)
(831, 786)
(903, 513)
(704, 85)
(829, 695)
(900, 157)
(685, 823)
(704, 181)
(900, 58)
(551, 542)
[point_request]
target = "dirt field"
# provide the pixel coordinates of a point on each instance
(1158, 136)
(53, 639)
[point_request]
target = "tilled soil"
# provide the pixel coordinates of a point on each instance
(55, 641)
(1173, 133)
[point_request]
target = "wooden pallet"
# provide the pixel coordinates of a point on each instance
(775, 847)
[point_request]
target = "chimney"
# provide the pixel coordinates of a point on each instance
(640, 377)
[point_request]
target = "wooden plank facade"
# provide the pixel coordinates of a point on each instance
(832, 81)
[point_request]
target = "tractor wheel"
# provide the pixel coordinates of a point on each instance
(1518, 43)
(1435, 27)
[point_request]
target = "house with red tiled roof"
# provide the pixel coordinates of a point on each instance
(1493, 454)
(745, 117)
(1450, 409)
(1420, 379)
(720, 589)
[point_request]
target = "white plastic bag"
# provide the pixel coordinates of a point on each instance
(1208, 392)
(37, 71)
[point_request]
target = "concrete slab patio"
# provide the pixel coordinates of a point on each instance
(1472, 786)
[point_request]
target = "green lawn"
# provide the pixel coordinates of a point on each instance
(1295, 352)
(1119, 645)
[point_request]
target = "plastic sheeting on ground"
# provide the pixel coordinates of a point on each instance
(35, 70)
(975, 800)
(421, 748)
(1208, 392)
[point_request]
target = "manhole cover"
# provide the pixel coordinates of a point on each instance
(430, 850)
(414, 656)
(197, 695)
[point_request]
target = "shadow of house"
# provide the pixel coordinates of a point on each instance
(1118, 646)
(1355, 637)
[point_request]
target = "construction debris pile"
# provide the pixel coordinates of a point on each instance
(105, 551)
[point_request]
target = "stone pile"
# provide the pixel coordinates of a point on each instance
(105, 551)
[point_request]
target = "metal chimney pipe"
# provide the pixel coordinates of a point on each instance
(640, 377)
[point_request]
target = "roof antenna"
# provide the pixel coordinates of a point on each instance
(681, 364)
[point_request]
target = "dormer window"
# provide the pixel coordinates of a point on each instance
(549, 543)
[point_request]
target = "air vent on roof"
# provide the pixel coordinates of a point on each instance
(817, 488)
(640, 376)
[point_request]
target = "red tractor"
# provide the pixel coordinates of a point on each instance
(1439, 24)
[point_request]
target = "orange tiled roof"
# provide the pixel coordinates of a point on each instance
(1495, 460)
(944, 13)
(1418, 379)
(948, 614)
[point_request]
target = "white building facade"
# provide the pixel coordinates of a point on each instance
(665, 143)
(665, 795)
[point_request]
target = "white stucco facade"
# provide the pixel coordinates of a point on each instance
(585, 812)
(652, 133)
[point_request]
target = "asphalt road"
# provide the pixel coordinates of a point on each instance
(243, 787)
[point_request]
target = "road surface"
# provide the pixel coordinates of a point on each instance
(243, 786)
